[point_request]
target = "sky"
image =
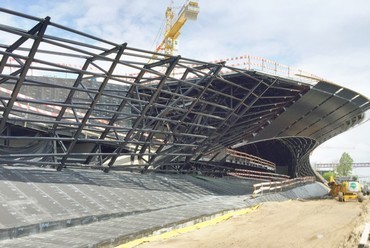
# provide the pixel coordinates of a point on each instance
(327, 38)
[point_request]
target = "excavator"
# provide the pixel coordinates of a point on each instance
(346, 188)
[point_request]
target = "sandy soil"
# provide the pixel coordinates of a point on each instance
(319, 223)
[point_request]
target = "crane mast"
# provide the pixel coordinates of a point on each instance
(189, 11)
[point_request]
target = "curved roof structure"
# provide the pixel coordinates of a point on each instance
(71, 99)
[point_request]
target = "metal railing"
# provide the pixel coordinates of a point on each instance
(258, 175)
(271, 67)
(279, 186)
(251, 159)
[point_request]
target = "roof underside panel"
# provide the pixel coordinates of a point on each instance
(316, 114)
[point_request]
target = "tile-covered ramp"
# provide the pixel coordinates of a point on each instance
(87, 208)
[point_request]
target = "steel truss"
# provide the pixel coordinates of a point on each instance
(69, 99)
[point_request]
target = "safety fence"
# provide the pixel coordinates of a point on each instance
(251, 62)
(279, 186)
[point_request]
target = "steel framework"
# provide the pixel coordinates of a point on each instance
(72, 99)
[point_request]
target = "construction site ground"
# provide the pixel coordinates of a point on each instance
(294, 223)
(88, 208)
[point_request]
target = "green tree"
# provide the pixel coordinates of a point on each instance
(345, 165)
(328, 174)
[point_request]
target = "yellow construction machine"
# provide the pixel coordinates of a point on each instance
(346, 188)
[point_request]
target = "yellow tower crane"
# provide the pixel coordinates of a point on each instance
(189, 11)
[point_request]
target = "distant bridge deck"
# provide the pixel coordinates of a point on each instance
(334, 165)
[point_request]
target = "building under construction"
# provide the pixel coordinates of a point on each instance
(104, 105)
(74, 105)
